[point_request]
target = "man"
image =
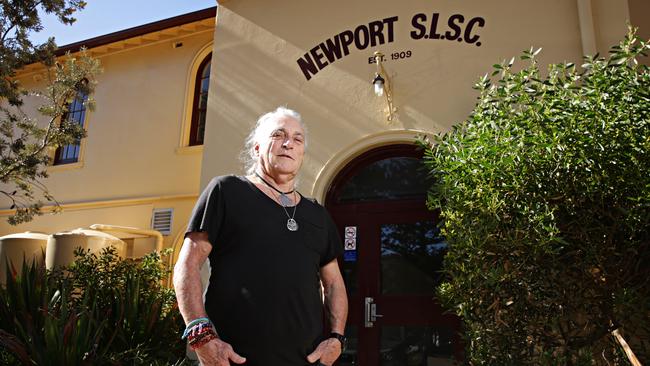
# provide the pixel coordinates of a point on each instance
(269, 249)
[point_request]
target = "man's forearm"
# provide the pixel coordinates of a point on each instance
(336, 303)
(187, 276)
(189, 292)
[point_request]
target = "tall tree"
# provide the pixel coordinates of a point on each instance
(26, 145)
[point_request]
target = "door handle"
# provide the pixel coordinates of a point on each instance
(370, 312)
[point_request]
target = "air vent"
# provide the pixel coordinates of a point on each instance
(162, 220)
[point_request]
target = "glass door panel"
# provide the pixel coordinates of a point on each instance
(416, 346)
(411, 258)
(350, 272)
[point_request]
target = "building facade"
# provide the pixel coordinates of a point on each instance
(146, 101)
(319, 58)
(148, 149)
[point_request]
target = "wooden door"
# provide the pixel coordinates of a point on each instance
(392, 263)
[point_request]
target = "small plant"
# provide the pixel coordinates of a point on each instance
(142, 312)
(545, 195)
(38, 326)
(100, 310)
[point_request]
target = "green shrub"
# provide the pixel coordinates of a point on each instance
(38, 326)
(101, 310)
(545, 195)
(143, 313)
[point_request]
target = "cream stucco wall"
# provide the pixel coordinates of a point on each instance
(610, 19)
(257, 45)
(134, 132)
(133, 159)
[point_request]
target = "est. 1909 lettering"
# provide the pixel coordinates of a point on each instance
(393, 56)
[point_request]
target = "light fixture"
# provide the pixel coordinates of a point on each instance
(378, 81)
(382, 86)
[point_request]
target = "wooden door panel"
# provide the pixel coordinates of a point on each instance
(383, 194)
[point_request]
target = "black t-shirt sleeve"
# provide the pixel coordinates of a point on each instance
(208, 212)
(334, 243)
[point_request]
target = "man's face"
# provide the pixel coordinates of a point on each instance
(282, 147)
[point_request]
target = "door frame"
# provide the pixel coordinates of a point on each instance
(410, 209)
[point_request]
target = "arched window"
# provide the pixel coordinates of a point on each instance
(200, 103)
(76, 114)
(390, 173)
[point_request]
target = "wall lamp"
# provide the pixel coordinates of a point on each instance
(382, 85)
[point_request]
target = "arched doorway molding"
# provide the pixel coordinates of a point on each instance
(333, 166)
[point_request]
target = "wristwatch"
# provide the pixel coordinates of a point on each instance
(341, 338)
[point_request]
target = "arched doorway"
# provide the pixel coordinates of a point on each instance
(391, 263)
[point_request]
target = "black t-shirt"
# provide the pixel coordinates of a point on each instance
(264, 294)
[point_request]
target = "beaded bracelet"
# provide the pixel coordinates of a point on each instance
(196, 330)
(194, 323)
(204, 340)
(200, 334)
(201, 337)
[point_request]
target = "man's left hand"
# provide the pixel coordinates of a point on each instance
(327, 352)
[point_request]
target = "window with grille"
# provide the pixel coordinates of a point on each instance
(76, 114)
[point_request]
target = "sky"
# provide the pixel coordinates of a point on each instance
(101, 17)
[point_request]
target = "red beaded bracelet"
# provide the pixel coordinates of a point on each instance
(203, 340)
(198, 337)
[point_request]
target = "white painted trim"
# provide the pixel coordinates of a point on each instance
(189, 150)
(92, 205)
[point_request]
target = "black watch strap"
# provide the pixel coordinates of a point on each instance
(341, 339)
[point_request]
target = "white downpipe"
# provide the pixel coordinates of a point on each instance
(587, 30)
(132, 230)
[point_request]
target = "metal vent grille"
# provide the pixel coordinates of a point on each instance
(161, 220)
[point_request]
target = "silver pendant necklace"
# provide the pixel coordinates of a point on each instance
(292, 225)
(285, 201)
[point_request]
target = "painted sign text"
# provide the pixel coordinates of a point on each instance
(371, 34)
(457, 28)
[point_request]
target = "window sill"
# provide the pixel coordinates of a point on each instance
(63, 167)
(189, 150)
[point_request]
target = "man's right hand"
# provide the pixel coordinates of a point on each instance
(218, 353)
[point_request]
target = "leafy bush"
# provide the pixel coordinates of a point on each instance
(545, 195)
(100, 310)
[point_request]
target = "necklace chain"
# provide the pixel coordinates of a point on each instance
(273, 187)
(292, 225)
(294, 208)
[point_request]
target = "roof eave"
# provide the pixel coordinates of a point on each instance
(137, 31)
